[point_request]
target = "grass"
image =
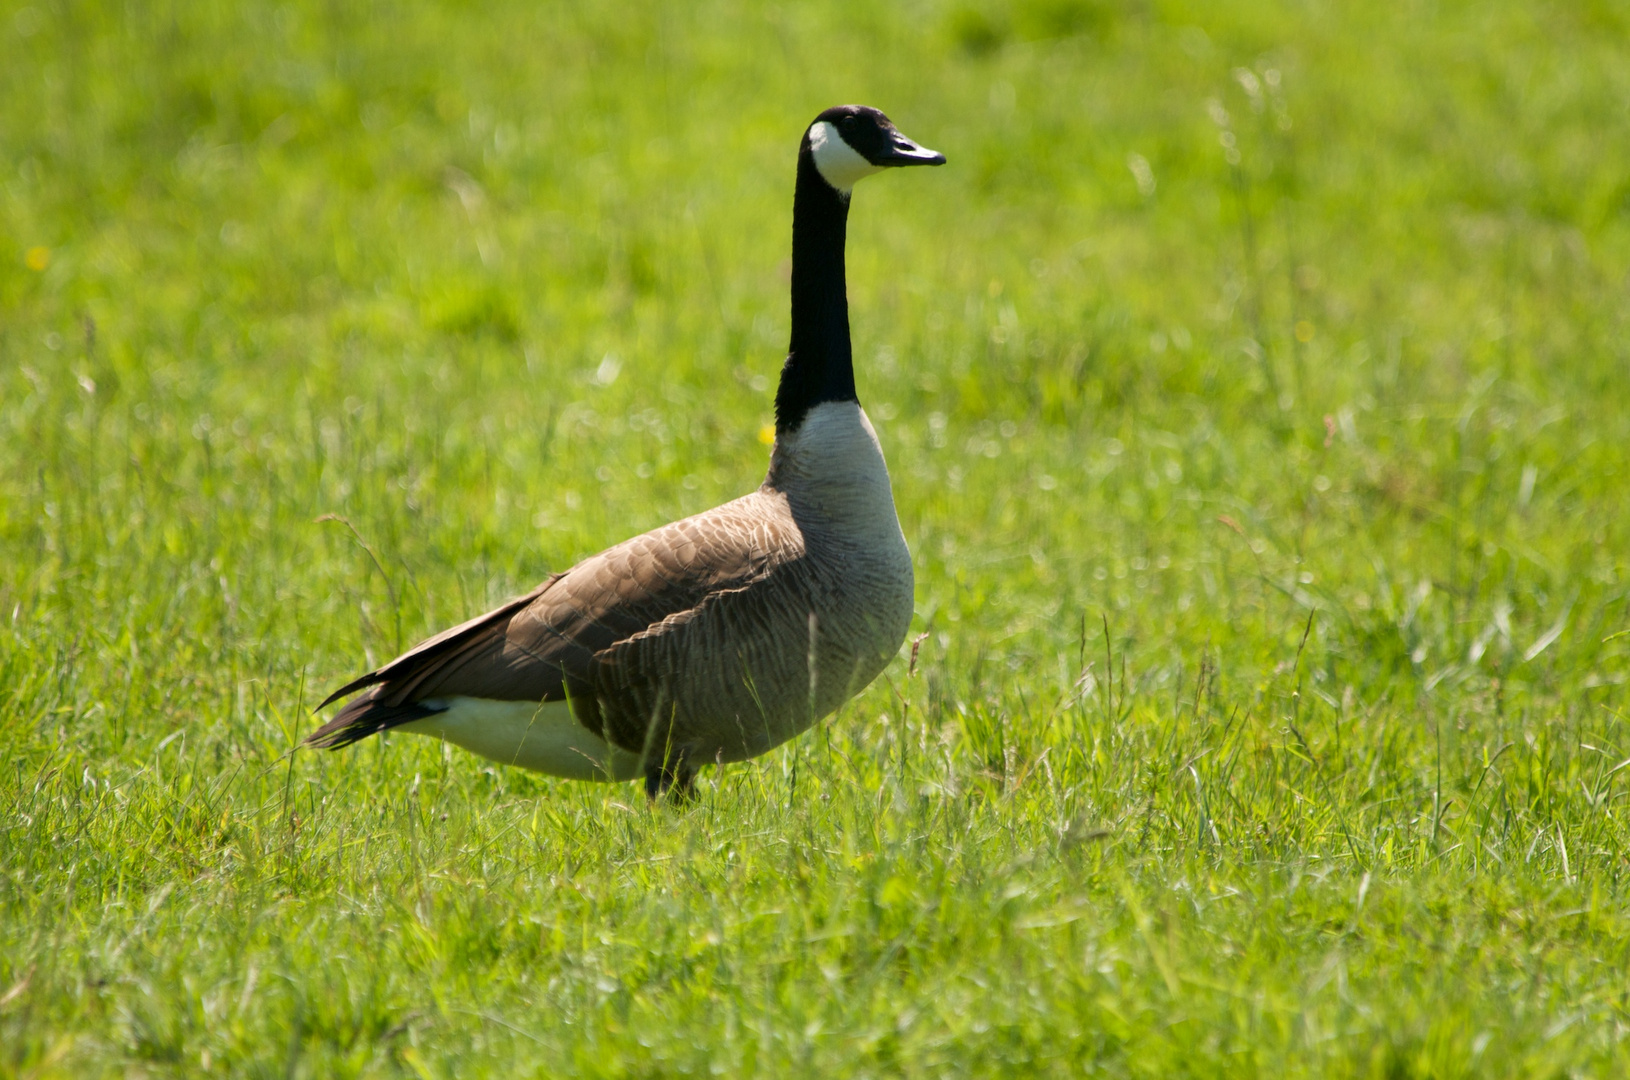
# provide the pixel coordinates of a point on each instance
(1253, 385)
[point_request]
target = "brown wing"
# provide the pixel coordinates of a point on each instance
(550, 644)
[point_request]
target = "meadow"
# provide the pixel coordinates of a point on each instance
(1254, 384)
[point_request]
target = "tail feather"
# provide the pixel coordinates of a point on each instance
(385, 705)
(423, 656)
(368, 715)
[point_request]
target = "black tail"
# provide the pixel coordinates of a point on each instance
(365, 716)
(404, 678)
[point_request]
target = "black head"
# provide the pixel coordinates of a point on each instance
(848, 142)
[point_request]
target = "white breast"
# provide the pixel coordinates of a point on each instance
(833, 467)
(837, 487)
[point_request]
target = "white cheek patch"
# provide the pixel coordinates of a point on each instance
(838, 162)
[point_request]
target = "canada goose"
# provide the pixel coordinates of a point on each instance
(717, 637)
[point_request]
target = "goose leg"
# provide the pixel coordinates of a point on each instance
(672, 778)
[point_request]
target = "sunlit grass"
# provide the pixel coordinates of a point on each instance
(1252, 381)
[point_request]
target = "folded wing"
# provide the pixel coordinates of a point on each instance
(561, 640)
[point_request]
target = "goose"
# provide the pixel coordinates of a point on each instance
(715, 638)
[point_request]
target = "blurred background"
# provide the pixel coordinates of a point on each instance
(506, 284)
(510, 284)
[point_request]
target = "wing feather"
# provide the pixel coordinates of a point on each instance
(557, 641)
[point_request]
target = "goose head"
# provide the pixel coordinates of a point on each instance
(850, 142)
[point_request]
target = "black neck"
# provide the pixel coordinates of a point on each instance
(819, 364)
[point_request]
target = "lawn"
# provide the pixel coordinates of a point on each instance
(1254, 385)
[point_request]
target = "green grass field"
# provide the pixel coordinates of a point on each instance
(1254, 383)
